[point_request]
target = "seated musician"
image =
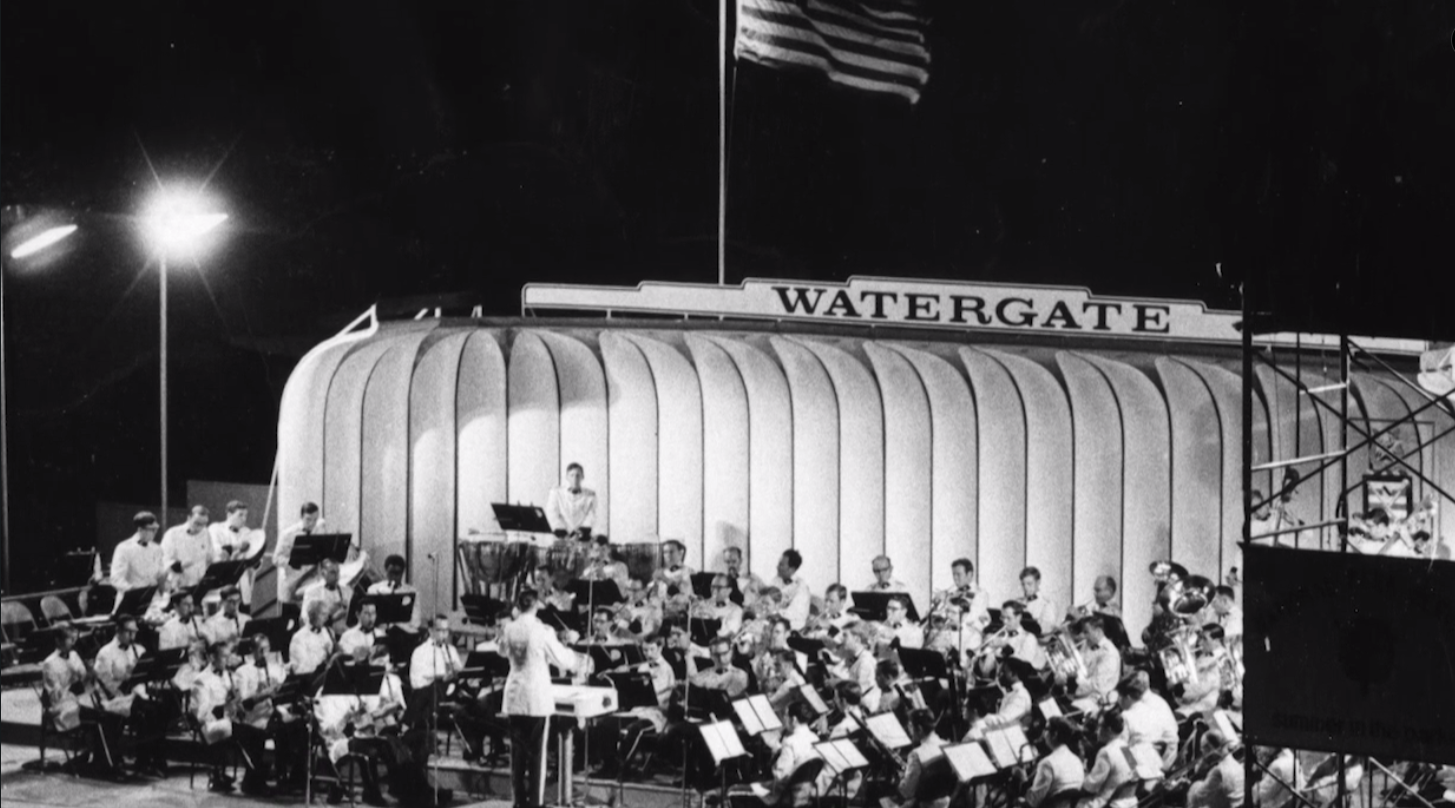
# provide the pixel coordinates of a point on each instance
(363, 635)
(1034, 604)
(720, 607)
(312, 644)
(556, 594)
(795, 595)
(602, 565)
(756, 632)
(183, 628)
(334, 597)
(1222, 783)
(258, 678)
(64, 685)
(227, 624)
(195, 663)
(368, 726)
(159, 609)
(1103, 667)
(847, 714)
(897, 626)
(571, 509)
(1103, 600)
(672, 583)
(857, 663)
(1014, 641)
(640, 616)
(615, 736)
(1015, 705)
(833, 618)
(1282, 778)
(746, 582)
(955, 631)
(393, 584)
(794, 750)
(1227, 614)
(1059, 772)
(976, 609)
(898, 694)
(778, 676)
(433, 668)
(114, 664)
(215, 702)
(1111, 783)
(722, 675)
(928, 745)
(603, 628)
(1148, 718)
(884, 580)
(1201, 693)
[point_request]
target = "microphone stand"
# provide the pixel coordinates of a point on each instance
(686, 691)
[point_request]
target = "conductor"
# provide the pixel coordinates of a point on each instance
(531, 647)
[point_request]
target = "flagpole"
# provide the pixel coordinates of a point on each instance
(722, 70)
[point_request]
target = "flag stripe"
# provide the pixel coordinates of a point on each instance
(848, 61)
(875, 45)
(843, 39)
(777, 53)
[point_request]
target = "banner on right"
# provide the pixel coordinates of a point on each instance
(1350, 653)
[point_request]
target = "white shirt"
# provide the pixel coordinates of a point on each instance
(1111, 782)
(135, 565)
(796, 601)
(1015, 706)
(431, 661)
(210, 689)
(309, 648)
(252, 679)
(930, 747)
(221, 628)
(908, 634)
(730, 614)
(356, 638)
(192, 550)
(176, 634)
(568, 511)
(1222, 788)
(1150, 720)
(225, 538)
(1103, 670)
(1041, 610)
(795, 749)
(333, 598)
(894, 585)
(1057, 772)
(113, 664)
(531, 648)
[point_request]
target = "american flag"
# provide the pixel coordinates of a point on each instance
(874, 45)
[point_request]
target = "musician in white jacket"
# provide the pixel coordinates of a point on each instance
(531, 647)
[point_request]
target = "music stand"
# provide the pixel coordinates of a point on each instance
(887, 730)
(485, 665)
(813, 699)
(756, 715)
(312, 548)
(564, 621)
(604, 656)
(633, 689)
(702, 584)
(279, 630)
(521, 518)
(969, 761)
(135, 601)
(392, 608)
(481, 609)
(923, 663)
(874, 605)
(73, 570)
(706, 703)
(219, 575)
(703, 629)
(154, 668)
(596, 594)
(401, 644)
(724, 745)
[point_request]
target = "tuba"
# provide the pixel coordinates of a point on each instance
(1064, 657)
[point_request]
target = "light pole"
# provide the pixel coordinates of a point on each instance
(175, 224)
(30, 246)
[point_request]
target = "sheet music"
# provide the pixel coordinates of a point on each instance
(1050, 709)
(746, 714)
(722, 741)
(841, 755)
(1001, 749)
(969, 761)
(766, 716)
(1019, 743)
(1224, 724)
(887, 730)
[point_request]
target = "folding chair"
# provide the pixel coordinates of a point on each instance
(55, 610)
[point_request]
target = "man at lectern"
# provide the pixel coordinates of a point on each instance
(570, 508)
(531, 647)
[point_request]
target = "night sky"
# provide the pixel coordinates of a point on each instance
(415, 153)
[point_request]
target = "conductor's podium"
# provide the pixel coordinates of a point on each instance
(579, 701)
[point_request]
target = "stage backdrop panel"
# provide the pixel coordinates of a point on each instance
(1077, 462)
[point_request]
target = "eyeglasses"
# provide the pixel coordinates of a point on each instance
(721, 586)
(878, 570)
